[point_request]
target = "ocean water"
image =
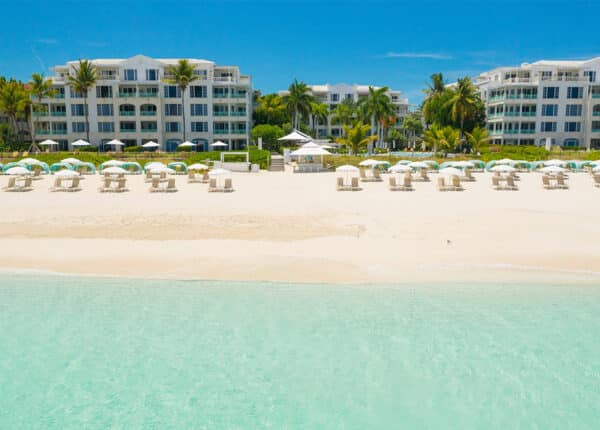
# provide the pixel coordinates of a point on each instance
(85, 353)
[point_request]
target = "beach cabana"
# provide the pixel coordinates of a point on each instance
(309, 158)
(12, 164)
(34, 164)
(197, 167)
(132, 167)
(80, 143)
(347, 177)
(110, 163)
(70, 160)
(60, 166)
(178, 166)
(552, 169)
(84, 167)
(296, 136)
(433, 165)
(478, 164)
(152, 165)
(503, 168)
(400, 168)
(114, 170)
(66, 173)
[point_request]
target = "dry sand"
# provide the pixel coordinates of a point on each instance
(296, 227)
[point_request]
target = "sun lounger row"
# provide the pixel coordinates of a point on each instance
(13, 185)
(108, 188)
(509, 184)
(375, 178)
(195, 178)
(58, 186)
(454, 184)
(226, 188)
(169, 188)
(344, 187)
(558, 184)
(406, 185)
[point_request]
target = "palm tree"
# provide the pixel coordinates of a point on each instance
(298, 101)
(272, 106)
(412, 127)
(14, 101)
(81, 80)
(39, 88)
(356, 137)
(463, 102)
(319, 113)
(436, 86)
(477, 138)
(181, 75)
(378, 106)
(448, 138)
(345, 112)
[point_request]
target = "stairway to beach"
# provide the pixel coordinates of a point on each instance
(277, 164)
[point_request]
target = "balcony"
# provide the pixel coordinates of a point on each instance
(238, 95)
(126, 95)
(596, 95)
(528, 113)
(595, 130)
(149, 130)
(527, 131)
(512, 113)
(221, 132)
(147, 94)
(496, 98)
(495, 132)
(220, 96)
(41, 131)
(238, 131)
(597, 113)
(238, 113)
(511, 131)
(148, 113)
(40, 113)
(58, 113)
(55, 132)
(221, 113)
(513, 96)
(58, 96)
(126, 113)
(490, 116)
(127, 130)
(530, 96)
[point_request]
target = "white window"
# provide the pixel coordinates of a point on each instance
(106, 127)
(200, 126)
(78, 127)
(78, 110)
(573, 110)
(574, 92)
(172, 127)
(198, 91)
(199, 110)
(550, 92)
(173, 109)
(152, 74)
(130, 75)
(572, 127)
(105, 110)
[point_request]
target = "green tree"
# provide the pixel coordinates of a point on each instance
(298, 101)
(478, 138)
(356, 137)
(448, 139)
(412, 126)
(463, 102)
(81, 80)
(39, 88)
(396, 137)
(345, 112)
(378, 107)
(181, 74)
(270, 109)
(14, 102)
(319, 113)
(269, 134)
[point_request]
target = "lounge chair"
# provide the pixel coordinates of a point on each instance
(57, 185)
(546, 183)
(510, 184)
(163, 176)
(363, 176)
(407, 185)
(74, 185)
(171, 186)
(192, 178)
(205, 178)
(376, 176)
(393, 185)
(148, 177)
(155, 185)
(228, 187)
(37, 174)
(121, 185)
(441, 184)
(10, 186)
(423, 175)
(25, 187)
(560, 182)
(468, 176)
(456, 184)
(496, 182)
(354, 185)
(597, 181)
(212, 185)
(340, 184)
(105, 185)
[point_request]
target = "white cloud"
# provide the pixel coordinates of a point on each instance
(426, 55)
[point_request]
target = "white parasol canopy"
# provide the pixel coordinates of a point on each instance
(555, 163)
(115, 142)
(31, 161)
(161, 169)
(154, 165)
(296, 136)
(150, 144)
(70, 160)
(219, 144)
(219, 172)
(552, 169)
(400, 168)
(502, 168)
(18, 170)
(346, 168)
(504, 161)
(368, 163)
(48, 142)
(80, 142)
(310, 151)
(114, 170)
(418, 165)
(186, 144)
(113, 163)
(198, 166)
(66, 173)
(451, 171)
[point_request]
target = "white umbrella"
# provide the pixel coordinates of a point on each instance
(347, 170)
(451, 171)
(67, 173)
(70, 160)
(419, 165)
(115, 142)
(150, 144)
(327, 147)
(296, 136)
(219, 172)
(219, 144)
(31, 161)
(114, 170)
(555, 163)
(111, 163)
(186, 144)
(552, 169)
(160, 169)
(80, 142)
(198, 166)
(502, 168)
(462, 164)
(303, 152)
(154, 165)
(400, 168)
(368, 163)
(48, 142)
(18, 170)
(504, 161)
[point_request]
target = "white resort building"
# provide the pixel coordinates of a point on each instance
(132, 103)
(332, 95)
(556, 100)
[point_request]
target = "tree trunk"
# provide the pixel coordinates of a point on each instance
(183, 110)
(87, 120)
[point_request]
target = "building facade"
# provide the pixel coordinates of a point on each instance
(556, 100)
(132, 103)
(332, 95)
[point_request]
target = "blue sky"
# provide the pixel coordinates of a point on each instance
(398, 44)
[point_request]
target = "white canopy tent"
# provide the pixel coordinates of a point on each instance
(150, 144)
(305, 157)
(80, 142)
(219, 144)
(296, 136)
(186, 144)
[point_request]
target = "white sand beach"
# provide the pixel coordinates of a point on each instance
(297, 227)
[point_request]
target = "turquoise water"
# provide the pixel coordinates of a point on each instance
(83, 353)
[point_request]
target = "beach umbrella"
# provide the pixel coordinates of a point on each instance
(70, 160)
(111, 163)
(450, 171)
(327, 146)
(504, 161)
(555, 163)
(186, 144)
(219, 144)
(219, 172)
(296, 136)
(552, 169)
(115, 142)
(30, 161)
(80, 142)
(432, 163)
(367, 163)
(153, 164)
(114, 170)
(48, 142)
(502, 168)
(18, 170)
(150, 144)
(14, 164)
(400, 168)
(305, 152)
(60, 166)
(404, 162)
(418, 165)
(462, 164)
(161, 169)
(347, 170)
(198, 166)
(67, 173)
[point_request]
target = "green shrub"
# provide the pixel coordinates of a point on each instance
(90, 148)
(133, 149)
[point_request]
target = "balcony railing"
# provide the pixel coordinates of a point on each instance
(496, 98)
(595, 130)
(490, 116)
(58, 113)
(238, 131)
(528, 113)
(126, 113)
(511, 131)
(495, 132)
(220, 96)
(41, 131)
(127, 94)
(40, 113)
(220, 113)
(149, 130)
(596, 95)
(221, 131)
(238, 113)
(238, 95)
(127, 130)
(146, 94)
(527, 131)
(148, 113)
(512, 113)
(530, 96)
(59, 131)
